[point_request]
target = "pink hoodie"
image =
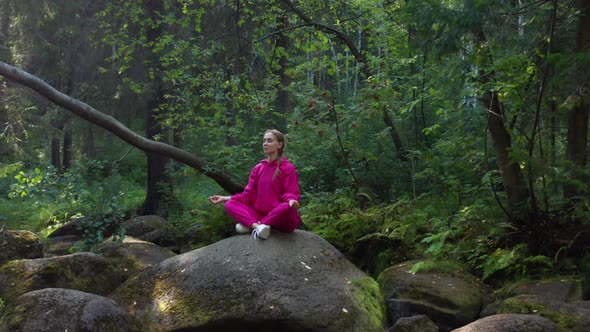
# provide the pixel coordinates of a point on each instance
(263, 193)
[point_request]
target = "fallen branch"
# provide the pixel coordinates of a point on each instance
(111, 124)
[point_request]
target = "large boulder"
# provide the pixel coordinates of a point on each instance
(19, 245)
(55, 309)
(83, 271)
(511, 323)
(451, 300)
(289, 282)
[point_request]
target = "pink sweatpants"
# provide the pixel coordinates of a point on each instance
(282, 217)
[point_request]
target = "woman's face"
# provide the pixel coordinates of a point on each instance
(270, 144)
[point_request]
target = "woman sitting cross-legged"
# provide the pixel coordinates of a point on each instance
(271, 198)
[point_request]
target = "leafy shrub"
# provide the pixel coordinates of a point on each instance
(94, 191)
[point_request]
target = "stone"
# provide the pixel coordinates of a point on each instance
(451, 300)
(419, 323)
(83, 271)
(289, 282)
(19, 245)
(55, 309)
(511, 323)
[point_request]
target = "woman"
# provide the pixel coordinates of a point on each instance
(271, 198)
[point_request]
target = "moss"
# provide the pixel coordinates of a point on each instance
(124, 266)
(200, 310)
(511, 306)
(18, 278)
(11, 317)
(368, 295)
(60, 273)
(28, 236)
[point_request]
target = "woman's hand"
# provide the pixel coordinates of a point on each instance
(293, 204)
(216, 199)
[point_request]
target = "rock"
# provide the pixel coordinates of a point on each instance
(154, 229)
(194, 237)
(450, 300)
(564, 289)
(19, 245)
(376, 252)
(566, 315)
(55, 309)
(419, 323)
(72, 227)
(511, 323)
(83, 271)
(289, 282)
(60, 245)
(132, 255)
(140, 225)
(161, 237)
(77, 226)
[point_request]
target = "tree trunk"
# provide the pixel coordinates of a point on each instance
(88, 145)
(67, 149)
(67, 140)
(158, 182)
(512, 177)
(577, 134)
(395, 137)
(283, 106)
(55, 154)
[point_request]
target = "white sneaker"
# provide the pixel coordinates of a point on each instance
(261, 232)
(242, 229)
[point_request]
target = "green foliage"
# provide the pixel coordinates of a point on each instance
(93, 191)
(436, 266)
(194, 208)
(515, 261)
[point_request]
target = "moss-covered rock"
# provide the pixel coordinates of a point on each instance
(512, 323)
(450, 299)
(560, 288)
(566, 315)
(19, 245)
(376, 252)
(290, 282)
(54, 309)
(132, 255)
(83, 271)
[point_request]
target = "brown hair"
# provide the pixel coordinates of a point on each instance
(281, 138)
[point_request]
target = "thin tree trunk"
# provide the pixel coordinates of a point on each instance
(577, 135)
(395, 137)
(158, 182)
(55, 153)
(283, 106)
(512, 177)
(67, 149)
(88, 145)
